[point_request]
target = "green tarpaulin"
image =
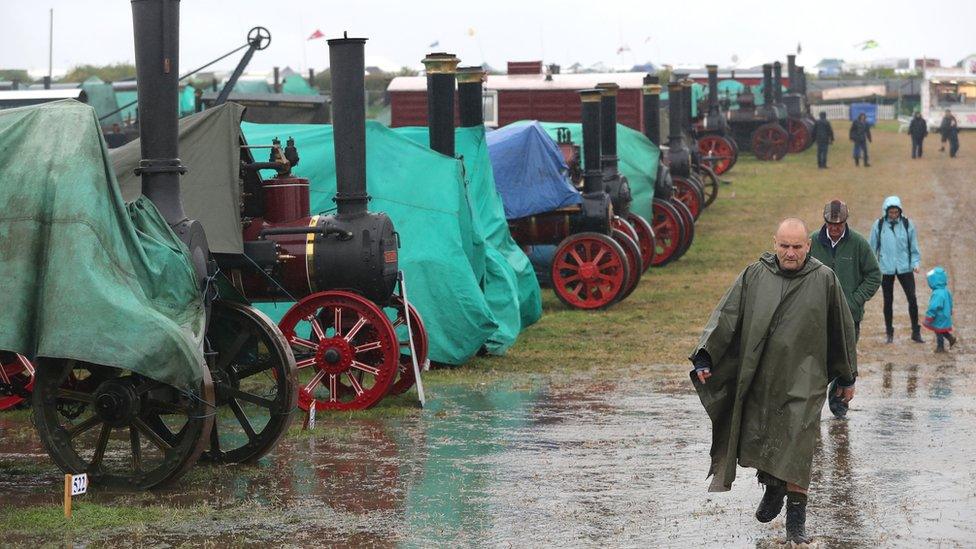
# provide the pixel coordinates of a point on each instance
(423, 193)
(101, 96)
(84, 275)
(129, 113)
(698, 92)
(296, 85)
(638, 162)
(509, 278)
(252, 86)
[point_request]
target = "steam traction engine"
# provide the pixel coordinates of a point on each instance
(800, 122)
(342, 266)
(761, 129)
(715, 143)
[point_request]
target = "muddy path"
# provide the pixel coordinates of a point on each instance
(574, 461)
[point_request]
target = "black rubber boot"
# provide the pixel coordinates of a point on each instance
(889, 335)
(857, 161)
(796, 518)
(939, 348)
(772, 500)
(952, 340)
(917, 335)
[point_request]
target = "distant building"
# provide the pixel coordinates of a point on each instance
(926, 63)
(829, 68)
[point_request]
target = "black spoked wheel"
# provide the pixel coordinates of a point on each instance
(123, 429)
(255, 383)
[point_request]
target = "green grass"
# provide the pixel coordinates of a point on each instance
(47, 522)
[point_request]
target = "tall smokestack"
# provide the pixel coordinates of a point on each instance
(311, 77)
(440, 101)
(712, 89)
(347, 64)
(277, 81)
(791, 73)
(675, 112)
(156, 27)
(470, 96)
(802, 77)
(652, 109)
(778, 82)
(592, 173)
(768, 84)
(686, 86)
(608, 124)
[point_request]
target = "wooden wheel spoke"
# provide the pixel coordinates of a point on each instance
(599, 255)
(242, 419)
(253, 369)
(3, 374)
(314, 381)
(337, 321)
(236, 393)
(77, 396)
(152, 435)
(82, 427)
(303, 343)
(317, 328)
(576, 257)
(136, 448)
(305, 363)
(356, 386)
(333, 388)
(372, 346)
(100, 445)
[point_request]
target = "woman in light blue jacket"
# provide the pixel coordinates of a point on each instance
(894, 241)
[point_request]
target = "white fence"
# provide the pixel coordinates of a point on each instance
(843, 112)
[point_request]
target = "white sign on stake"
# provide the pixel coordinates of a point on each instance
(310, 421)
(79, 484)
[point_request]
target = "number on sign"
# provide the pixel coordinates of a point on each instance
(79, 484)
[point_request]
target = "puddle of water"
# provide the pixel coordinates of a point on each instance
(587, 464)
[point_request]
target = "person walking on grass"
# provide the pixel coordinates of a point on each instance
(917, 129)
(849, 255)
(860, 134)
(761, 369)
(895, 244)
(949, 128)
(938, 317)
(823, 134)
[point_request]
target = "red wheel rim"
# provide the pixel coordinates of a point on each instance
(634, 265)
(688, 223)
(589, 271)
(717, 152)
(799, 135)
(770, 142)
(16, 375)
(667, 233)
(686, 192)
(645, 239)
(625, 225)
(405, 376)
(346, 350)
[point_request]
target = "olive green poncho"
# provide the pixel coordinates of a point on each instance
(776, 339)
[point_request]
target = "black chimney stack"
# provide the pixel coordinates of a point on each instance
(311, 78)
(347, 64)
(652, 109)
(686, 86)
(802, 77)
(712, 89)
(675, 111)
(470, 96)
(608, 125)
(47, 82)
(440, 101)
(277, 81)
(156, 26)
(777, 82)
(767, 84)
(791, 73)
(592, 173)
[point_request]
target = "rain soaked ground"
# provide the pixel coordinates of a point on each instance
(597, 464)
(574, 458)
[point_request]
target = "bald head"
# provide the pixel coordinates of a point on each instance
(791, 243)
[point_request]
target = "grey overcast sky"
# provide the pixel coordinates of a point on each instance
(680, 32)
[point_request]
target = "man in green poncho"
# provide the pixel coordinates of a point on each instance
(780, 334)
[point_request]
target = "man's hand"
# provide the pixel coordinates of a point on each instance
(703, 374)
(846, 393)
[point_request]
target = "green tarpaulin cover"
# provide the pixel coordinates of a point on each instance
(296, 85)
(639, 158)
(123, 98)
(101, 96)
(84, 275)
(423, 193)
(252, 86)
(509, 278)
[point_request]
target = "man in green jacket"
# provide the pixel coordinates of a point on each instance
(777, 337)
(850, 256)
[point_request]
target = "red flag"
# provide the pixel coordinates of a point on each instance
(317, 34)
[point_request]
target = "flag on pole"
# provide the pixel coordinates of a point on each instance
(316, 34)
(622, 49)
(434, 44)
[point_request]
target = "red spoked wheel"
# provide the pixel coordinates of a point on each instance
(688, 222)
(622, 224)
(668, 232)
(718, 152)
(634, 264)
(589, 271)
(645, 239)
(16, 379)
(687, 191)
(405, 376)
(800, 135)
(346, 350)
(770, 142)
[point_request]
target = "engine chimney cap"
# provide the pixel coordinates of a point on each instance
(608, 89)
(651, 89)
(441, 63)
(346, 40)
(675, 87)
(711, 68)
(590, 95)
(652, 79)
(470, 75)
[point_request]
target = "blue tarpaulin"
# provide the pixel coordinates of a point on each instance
(530, 172)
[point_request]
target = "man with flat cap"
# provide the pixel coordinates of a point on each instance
(849, 255)
(761, 369)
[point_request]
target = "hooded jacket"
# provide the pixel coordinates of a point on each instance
(918, 128)
(895, 247)
(776, 339)
(938, 317)
(853, 261)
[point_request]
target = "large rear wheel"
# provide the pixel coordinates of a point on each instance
(717, 152)
(634, 264)
(690, 192)
(589, 271)
(668, 232)
(688, 222)
(405, 375)
(770, 142)
(645, 239)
